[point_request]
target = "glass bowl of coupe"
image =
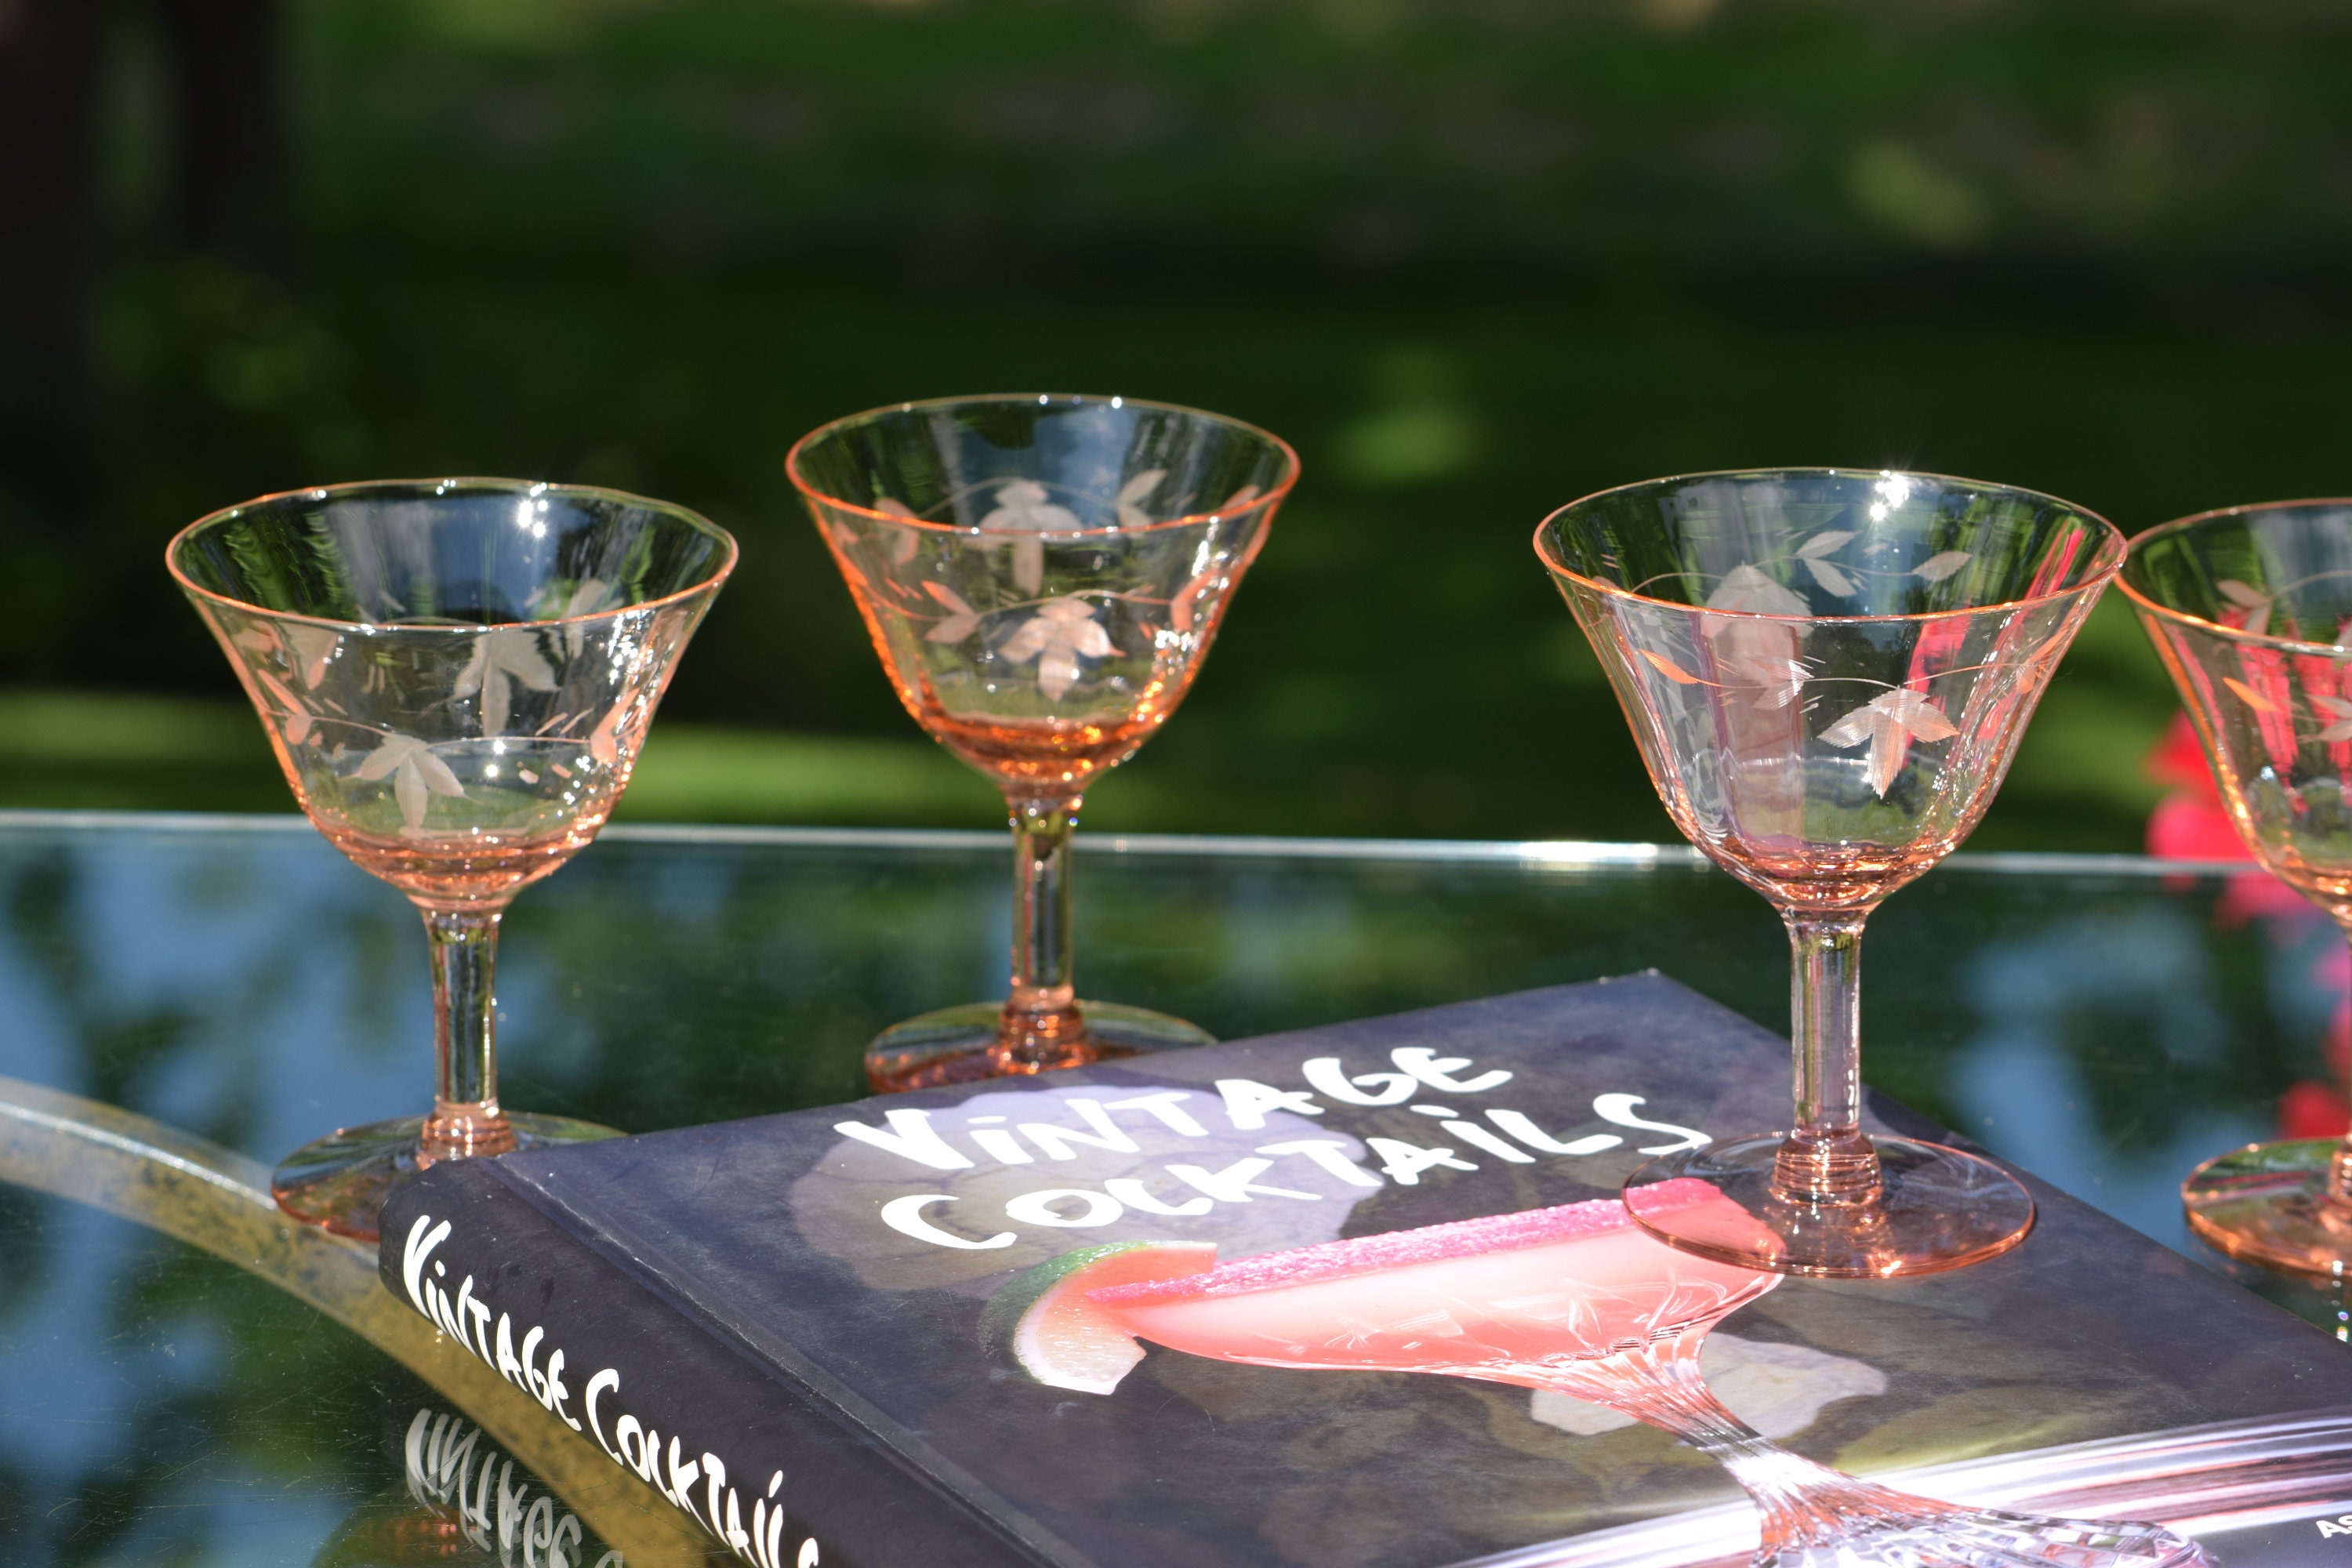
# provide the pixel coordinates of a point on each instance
(1042, 576)
(1827, 672)
(456, 676)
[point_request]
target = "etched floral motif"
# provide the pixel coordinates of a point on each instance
(500, 659)
(591, 595)
(415, 774)
(1812, 551)
(295, 720)
(904, 542)
(2253, 605)
(1022, 508)
(2339, 714)
(1134, 493)
(1777, 680)
(1890, 722)
(961, 620)
(1062, 632)
(1746, 589)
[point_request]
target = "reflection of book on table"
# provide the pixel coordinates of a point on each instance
(936, 1327)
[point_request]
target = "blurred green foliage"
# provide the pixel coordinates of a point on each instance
(1474, 257)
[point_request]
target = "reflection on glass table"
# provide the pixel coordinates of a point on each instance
(2105, 1023)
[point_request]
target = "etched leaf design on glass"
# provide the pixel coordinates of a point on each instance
(415, 774)
(2252, 600)
(1936, 568)
(958, 624)
(1830, 576)
(1670, 670)
(310, 649)
(2338, 713)
(604, 739)
(591, 595)
(1239, 499)
(500, 659)
(1890, 722)
(1746, 589)
(1062, 632)
(1777, 680)
(297, 720)
(905, 541)
(2252, 699)
(1022, 508)
(1133, 494)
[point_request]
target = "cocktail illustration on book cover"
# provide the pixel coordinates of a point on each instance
(1575, 1299)
(1363, 1297)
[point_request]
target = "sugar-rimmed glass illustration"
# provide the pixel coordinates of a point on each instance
(1040, 577)
(1578, 1300)
(456, 677)
(1827, 672)
(2250, 610)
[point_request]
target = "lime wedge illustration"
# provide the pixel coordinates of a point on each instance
(1043, 1321)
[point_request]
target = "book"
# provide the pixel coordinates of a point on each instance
(830, 1336)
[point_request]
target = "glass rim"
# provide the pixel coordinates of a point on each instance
(2147, 605)
(2112, 540)
(692, 518)
(1277, 493)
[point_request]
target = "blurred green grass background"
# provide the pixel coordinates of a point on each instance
(1473, 257)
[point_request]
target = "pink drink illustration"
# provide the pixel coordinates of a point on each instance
(1582, 1300)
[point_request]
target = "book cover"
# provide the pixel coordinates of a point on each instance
(840, 1335)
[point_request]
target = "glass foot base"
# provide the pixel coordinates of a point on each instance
(339, 1183)
(1936, 1209)
(2267, 1204)
(961, 1044)
(1989, 1539)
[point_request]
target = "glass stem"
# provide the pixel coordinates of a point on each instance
(1041, 1026)
(1801, 1505)
(1826, 1158)
(465, 1118)
(2339, 1169)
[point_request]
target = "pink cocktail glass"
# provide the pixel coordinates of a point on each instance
(1582, 1301)
(2250, 610)
(1827, 673)
(456, 676)
(1042, 577)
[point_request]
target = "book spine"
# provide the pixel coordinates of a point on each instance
(779, 1478)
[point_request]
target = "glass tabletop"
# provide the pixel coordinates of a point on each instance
(187, 998)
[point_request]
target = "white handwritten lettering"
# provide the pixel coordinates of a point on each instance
(1437, 1071)
(905, 1215)
(1036, 1209)
(1524, 1129)
(1327, 1152)
(1131, 1192)
(1327, 1077)
(1404, 1162)
(1479, 1137)
(1619, 1108)
(413, 1254)
(1236, 1182)
(1247, 1102)
(1055, 1142)
(910, 1136)
(1164, 1106)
